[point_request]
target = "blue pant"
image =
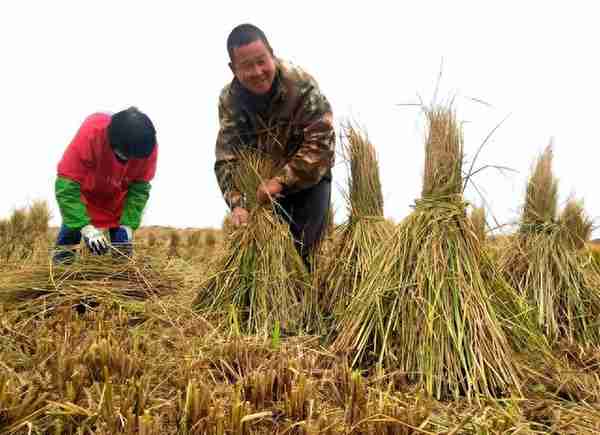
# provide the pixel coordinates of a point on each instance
(69, 236)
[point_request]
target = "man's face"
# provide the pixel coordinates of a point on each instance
(254, 67)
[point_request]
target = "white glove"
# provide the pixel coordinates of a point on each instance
(94, 239)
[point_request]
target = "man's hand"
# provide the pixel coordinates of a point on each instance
(268, 191)
(94, 239)
(239, 216)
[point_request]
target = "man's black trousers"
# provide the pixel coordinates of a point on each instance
(307, 212)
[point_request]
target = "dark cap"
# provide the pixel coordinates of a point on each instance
(132, 133)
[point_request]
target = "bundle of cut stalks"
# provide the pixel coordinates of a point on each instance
(366, 229)
(433, 317)
(260, 278)
(546, 263)
(35, 287)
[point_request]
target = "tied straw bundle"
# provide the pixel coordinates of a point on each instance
(366, 230)
(432, 317)
(547, 264)
(260, 279)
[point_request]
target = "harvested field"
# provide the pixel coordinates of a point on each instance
(113, 345)
(151, 365)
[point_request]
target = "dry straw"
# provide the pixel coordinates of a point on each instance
(546, 263)
(260, 279)
(41, 287)
(366, 229)
(433, 318)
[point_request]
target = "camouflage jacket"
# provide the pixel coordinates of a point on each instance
(295, 126)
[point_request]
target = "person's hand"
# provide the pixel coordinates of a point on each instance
(239, 216)
(94, 239)
(268, 190)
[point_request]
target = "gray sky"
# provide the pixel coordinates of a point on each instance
(535, 60)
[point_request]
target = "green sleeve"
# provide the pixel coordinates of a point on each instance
(72, 210)
(137, 197)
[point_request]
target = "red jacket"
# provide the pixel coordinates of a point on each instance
(104, 181)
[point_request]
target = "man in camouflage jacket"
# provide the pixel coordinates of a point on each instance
(275, 107)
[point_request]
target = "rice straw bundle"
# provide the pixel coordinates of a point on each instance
(259, 277)
(433, 318)
(43, 287)
(546, 263)
(366, 229)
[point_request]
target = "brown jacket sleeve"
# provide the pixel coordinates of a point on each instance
(315, 155)
(226, 159)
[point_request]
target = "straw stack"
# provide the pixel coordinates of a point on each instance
(259, 279)
(434, 318)
(366, 230)
(546, 263)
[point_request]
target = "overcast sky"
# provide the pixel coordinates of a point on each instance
(533, 61)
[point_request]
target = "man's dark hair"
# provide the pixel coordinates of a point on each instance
(132, 132)
(245, 34)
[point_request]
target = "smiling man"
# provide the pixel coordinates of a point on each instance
(276, 107)
(103, 182)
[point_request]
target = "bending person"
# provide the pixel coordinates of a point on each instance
(103, 182)
(269, 96)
